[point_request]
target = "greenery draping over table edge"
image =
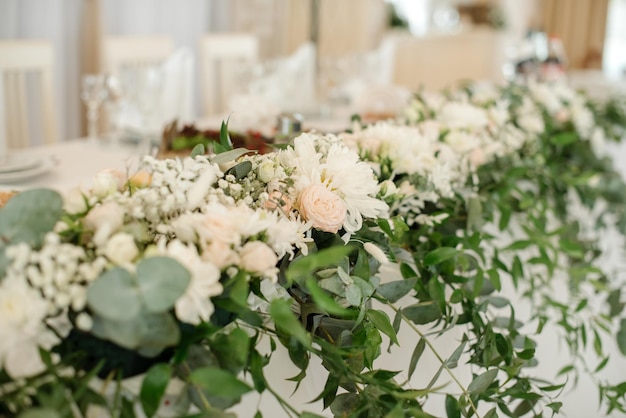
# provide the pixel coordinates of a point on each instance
(452, 279)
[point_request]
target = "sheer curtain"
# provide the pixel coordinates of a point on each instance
(59, 22)
(74, 26)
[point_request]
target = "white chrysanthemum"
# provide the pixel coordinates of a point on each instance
(195, 305)
(338, 169)
(456, 115)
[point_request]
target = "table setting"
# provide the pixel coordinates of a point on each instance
(423, 258)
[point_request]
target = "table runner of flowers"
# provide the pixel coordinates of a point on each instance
(329, 246)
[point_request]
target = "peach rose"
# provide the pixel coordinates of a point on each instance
(258, 257)
(322, 207)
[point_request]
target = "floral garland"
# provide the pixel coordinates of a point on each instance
(176, 272)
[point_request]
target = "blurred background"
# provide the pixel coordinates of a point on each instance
(409, 43)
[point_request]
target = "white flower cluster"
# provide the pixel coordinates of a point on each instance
(39, 285)
(331, 187)
(447, 138)
(567, 106)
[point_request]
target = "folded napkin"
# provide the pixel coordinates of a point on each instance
(252, 113)
(154, 96)
(290, 84)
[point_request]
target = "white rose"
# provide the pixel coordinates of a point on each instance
(258, 257)
(104, 220)
(121, 248)
(74, 201)
(324, 209)
(266, 171)
(107, 182)
(218, 223)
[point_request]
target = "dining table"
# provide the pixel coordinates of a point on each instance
(68, 164)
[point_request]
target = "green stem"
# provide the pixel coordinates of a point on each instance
(441, 360)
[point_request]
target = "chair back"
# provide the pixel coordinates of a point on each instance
(129, 52)
(19, 61)
(221, 59)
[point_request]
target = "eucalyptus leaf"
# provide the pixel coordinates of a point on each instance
(394, 291)
(29, 215)
(345, 404)
(157, 331)
(198, 150)
(162, 280)
(423, 312)
(240, 170)
(228, 156)
(482, 382)
(353, 295)
(323, 300)
(114, 295)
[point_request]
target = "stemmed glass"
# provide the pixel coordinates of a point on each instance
(93, 92)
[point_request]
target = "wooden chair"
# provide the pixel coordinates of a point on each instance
(18, 61)
(127, 52)
(220, 54)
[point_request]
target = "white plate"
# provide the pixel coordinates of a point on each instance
(18, 162)
(44, 164)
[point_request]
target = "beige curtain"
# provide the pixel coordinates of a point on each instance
(345, 26)
(581, 25)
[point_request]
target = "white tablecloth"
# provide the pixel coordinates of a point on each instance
(77, 161)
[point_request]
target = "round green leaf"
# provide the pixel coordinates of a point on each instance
(28, 216)
(162, 280)
(114, 295)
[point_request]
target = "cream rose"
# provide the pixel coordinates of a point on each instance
(324, 209)
(258, 257)
(121, 248)
(107, 182)
(74, 201)
(220, 254)
(104, 220)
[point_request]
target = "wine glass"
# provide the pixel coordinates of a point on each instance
(93, 92)
(113, 105)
